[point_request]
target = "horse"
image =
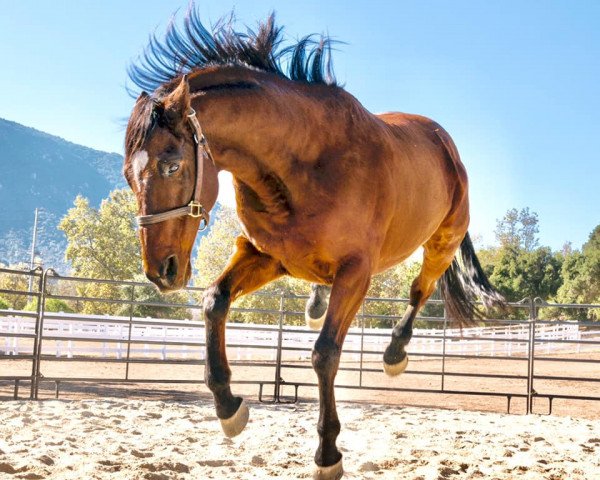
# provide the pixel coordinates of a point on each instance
(325, 191)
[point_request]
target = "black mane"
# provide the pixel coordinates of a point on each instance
(195, 47)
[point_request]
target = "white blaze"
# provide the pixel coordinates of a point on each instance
(138, 163)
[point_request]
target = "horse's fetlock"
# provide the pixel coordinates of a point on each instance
(330, 428)
(217, 381)
(402, 335)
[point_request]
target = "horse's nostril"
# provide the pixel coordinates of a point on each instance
(168, 270)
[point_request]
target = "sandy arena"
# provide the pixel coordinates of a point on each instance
(155, 440)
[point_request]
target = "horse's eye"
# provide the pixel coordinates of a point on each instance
(170, 150)
(173, 168)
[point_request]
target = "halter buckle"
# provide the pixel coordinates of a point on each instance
(196, 209)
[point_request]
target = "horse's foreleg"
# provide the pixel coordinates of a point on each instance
(316, 306)
(349, 288)
(248, 270)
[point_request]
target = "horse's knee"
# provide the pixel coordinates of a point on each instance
(216, 303)
(325, 357)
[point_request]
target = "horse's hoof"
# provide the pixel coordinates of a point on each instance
(234, 425)
(395, 368)
(334, 472)
(314, 323)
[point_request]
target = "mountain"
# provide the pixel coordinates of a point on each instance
(39, 170)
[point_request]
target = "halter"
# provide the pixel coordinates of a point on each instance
(194, 208)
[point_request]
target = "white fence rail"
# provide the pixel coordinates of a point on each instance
(104, 336)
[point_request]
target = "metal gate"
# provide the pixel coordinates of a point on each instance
(277, 354)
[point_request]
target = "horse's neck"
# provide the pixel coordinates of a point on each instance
(272, 136)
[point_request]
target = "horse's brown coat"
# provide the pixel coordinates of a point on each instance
(325, 191)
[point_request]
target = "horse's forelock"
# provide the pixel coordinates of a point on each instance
(139, 126)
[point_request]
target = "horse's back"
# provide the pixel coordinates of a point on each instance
(417, 128)
(433, 179)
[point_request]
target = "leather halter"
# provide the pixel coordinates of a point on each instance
(194, 208)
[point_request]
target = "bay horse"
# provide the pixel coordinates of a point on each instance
(325, 191)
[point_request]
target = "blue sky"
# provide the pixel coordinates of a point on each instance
(515, 83)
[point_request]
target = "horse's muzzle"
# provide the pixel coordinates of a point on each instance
(170, 276)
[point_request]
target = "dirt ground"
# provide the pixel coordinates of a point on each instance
(162, 440)
(506, 376)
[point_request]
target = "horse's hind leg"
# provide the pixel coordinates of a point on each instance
(438, 254)
(316, 306)
(247, 270)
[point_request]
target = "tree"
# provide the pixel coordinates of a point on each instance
(16, 282)
(103, 243)
(518, 229)
(581, 275)
(520, 273)
(162, 305)
(216, 247)
(50, 305)
(395, 283)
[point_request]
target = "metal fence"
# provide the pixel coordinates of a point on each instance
(550, 357)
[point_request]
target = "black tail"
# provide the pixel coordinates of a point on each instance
(463, 283)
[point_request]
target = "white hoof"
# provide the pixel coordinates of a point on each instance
(333, 472)
(234, 425)
(396, 368)
(314, 323)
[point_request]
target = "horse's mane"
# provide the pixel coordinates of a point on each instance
(184, 51)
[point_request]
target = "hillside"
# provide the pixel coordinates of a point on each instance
(44, 171)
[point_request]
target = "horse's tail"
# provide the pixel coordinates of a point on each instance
(463, 283)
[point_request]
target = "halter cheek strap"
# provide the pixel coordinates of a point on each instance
(194, 208)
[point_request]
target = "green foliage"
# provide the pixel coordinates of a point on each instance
(521, 273)
(150, 294)
(518, 229)
(216, 247)
(395, 283)
(51, 305)
(581, 276)
(103, 243)
(16, 282)
(4, 305)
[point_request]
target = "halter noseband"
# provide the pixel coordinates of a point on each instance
(194, 208)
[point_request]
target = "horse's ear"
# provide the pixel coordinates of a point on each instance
(177, 103)
(142, 96)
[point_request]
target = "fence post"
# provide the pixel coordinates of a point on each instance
(444, 348)
(362, 342)
(129, 333)
(531, 354)
(37, 329)
(40, 331)
(276, 389)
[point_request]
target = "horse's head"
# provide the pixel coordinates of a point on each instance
(171, 172)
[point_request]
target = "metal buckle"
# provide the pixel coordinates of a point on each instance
(196, 209)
